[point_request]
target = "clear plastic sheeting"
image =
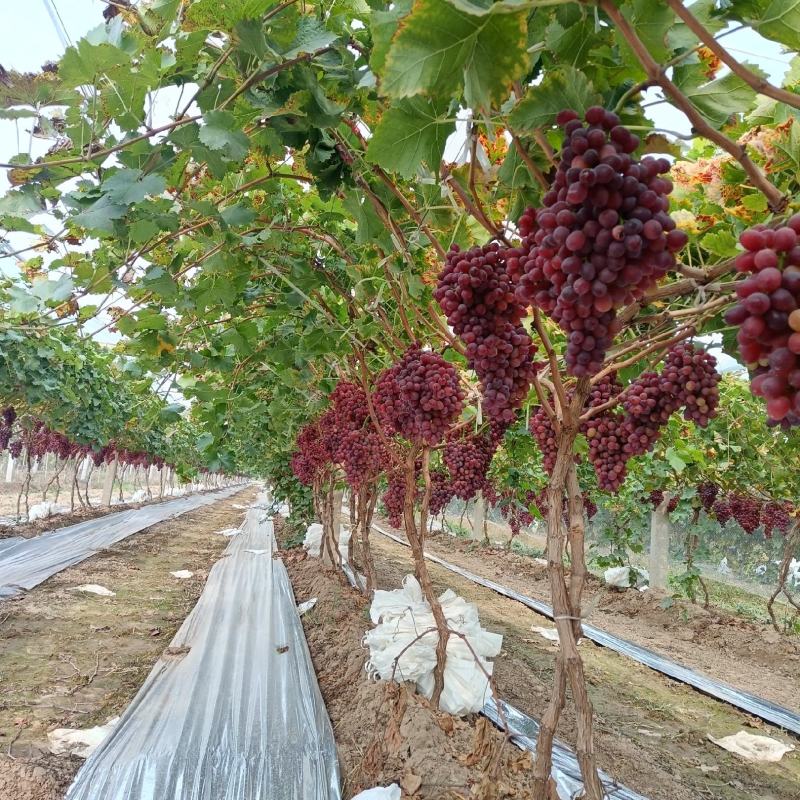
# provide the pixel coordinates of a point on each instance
(751, 704)
(27, 562)
(232, 710)
(566, 771)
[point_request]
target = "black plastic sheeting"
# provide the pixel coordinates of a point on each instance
(25, 563)
(757, 706)
(232, 710)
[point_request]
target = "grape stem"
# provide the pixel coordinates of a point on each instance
(777, 201)
(754, 81)
(551, 355)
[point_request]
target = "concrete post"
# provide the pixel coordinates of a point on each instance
(659, 546)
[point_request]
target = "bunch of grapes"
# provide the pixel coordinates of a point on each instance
(768, 317)
(707, 492)
(603, 237)
(394, 499)
(745, 510)
(363, 456)
(468, 459)
(516, 514)
(349, 402)
(722, 510)
(690, 376)
(590, 507)
(311, 454)
(15, 448)
(419, 397)
(673, 503)
(542, 430)
(605, 434)
(656, 498)
(7, 419)
(441, 492)
(775, 516)
(476, 292)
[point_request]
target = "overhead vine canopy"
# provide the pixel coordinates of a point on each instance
(253, 192)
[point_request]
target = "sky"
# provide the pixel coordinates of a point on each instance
(41, 33)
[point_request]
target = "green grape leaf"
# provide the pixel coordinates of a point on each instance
(409, 134)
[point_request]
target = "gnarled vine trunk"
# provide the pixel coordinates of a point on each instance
(566, 596)
(415, 533)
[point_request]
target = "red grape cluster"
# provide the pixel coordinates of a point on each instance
(745, 510)
(775, 516)
(362, 455)
(441, 491)
(603, 237)
(468, 459)
(515, 513)
(311, 454)
(542, 430)
(656, 498)
(476, 292)
(394, 499)
(605, 435)
(768, 316)
(722, 510)
(687, 381)
(349, 402)
(419, 397)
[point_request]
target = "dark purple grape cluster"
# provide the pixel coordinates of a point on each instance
(468, 459)
(690, 376)
(768, 317)
(7, 419)
(602, 238)
(656, 498)
(722, 510)
(707, 492)
(477, 293)
(419, 397)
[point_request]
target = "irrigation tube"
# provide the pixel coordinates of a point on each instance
(232, 710)
(757, 706)
(25, 563)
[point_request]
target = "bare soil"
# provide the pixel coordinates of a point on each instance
(74, 660)
(651, 732)
(388, 734)
(750, 656)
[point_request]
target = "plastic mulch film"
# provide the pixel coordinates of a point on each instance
(566, 770)
(232, 710)
(25, 563)
(757, 706)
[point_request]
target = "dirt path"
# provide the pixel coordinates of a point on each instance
(651, 731)
(69, 659)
